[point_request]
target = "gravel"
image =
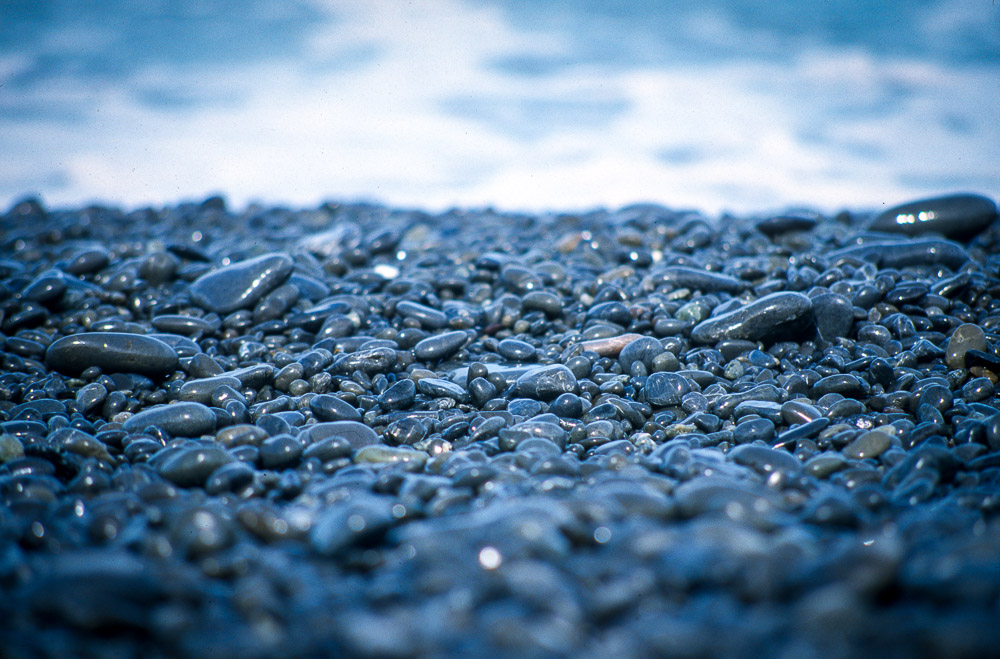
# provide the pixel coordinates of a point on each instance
(378, 432)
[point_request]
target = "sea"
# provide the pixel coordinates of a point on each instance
(520, 105)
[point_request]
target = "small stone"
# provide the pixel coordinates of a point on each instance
(546, 382)
(112, 352)
(439, 346)
(280, 452)
(357, 434)
(399, 396)
(240, 285)
(191, 467)
(966, 337)
(834, 315)
(782, 224)
(11, 448)
(869, 445)
(441, 388)
(903, 254)
(516, 351)
(178, 419)
(960, 216)
(610, 346)
(694, 278)
(665, 389)
(766, 318)
(326, 407)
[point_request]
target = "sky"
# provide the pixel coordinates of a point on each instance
(734, 106)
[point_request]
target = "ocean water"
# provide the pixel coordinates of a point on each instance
(519, 104)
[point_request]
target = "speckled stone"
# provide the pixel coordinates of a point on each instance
(966, 337)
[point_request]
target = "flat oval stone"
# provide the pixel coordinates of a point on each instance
(326, 407)
(644, 349)
(179, 419)
(428, 317)
(439, 346)
(357, 434)
(869, 445)
(399, 396)
(959, 216)
(903, 254)
(440, 388)
(610, 346)
(781, 224)
(178, 324)
(240, 285)
(758, 320)
(680, 276)
(112, 352)
(201, 390)
(799, 411)
(192, 467)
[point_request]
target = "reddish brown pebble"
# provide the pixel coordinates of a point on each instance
(611, 346)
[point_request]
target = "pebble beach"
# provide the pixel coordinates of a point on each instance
(369, 431)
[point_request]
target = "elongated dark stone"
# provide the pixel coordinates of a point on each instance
(960, 216)
(240, 285)
(112, 352)
(762, 319)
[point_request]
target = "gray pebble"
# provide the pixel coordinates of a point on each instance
(111, 352)
(179, 419)
(240, 285)
(767, 317)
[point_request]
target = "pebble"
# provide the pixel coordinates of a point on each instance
(959, 216)
(397, 397)
(111, 352)
(240, 285)
(439, 346)
(187, 419)
(869, 445)
(666, 389)
(834, 315)
(610, 346)
(966, 337)
(766, 317)
(907, 254)
(357, 434)
(782, 224)
(191, 467)
(546, 382)
(703, 280)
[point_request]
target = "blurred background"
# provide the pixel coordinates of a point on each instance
(736, 105)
